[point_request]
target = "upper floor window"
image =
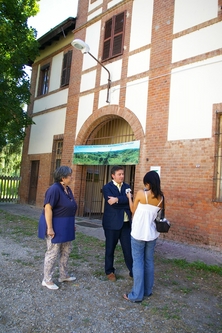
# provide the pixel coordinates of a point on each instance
(66, 68)
(114, 36)
(44, 80)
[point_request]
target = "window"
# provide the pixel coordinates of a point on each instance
(92, 176)
(56, 154)
(44, 80)
(66, 68)
(218, 161)
(114, 36)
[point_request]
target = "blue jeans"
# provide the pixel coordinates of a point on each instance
(143, 269)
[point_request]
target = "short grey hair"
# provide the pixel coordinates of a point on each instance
(62, 172)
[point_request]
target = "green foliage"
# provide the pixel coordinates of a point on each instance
(10, 160)
(120, 157)
(18, 47)
(198, 265)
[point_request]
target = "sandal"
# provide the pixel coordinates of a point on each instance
(125, 296)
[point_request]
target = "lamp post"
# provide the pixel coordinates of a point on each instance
(84, 48)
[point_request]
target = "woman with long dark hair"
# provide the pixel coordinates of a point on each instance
(144, 235)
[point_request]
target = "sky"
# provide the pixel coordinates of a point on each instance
(103, 148)
(52, 13)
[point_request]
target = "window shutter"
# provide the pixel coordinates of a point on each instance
(114, 36)
(117, 45)
(107, 40)
(66, 68)
(118, 35)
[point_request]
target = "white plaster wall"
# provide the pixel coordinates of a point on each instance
(85, 110)
(113, 96)
(113, 3)
(194, 90)
(94, 14)
(139, 63)
(92, 39)
(188, 13)
(94, 4)
(136, 99)
(115, 69)
(55, 47)
(88, 81)
(55, 72)
(197, 42)
(141, 26)
(51, 101)
(46, 126)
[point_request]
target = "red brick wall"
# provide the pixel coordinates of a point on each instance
(187, 166)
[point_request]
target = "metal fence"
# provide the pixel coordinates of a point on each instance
(9, 188)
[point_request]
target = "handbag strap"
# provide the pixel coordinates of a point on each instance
(163, 208)
(162, 200)
(146, 197)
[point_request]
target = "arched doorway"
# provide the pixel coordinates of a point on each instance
(111, 131)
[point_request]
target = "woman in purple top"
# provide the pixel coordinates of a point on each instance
(57, 225)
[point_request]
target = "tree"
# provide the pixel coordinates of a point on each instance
(18, 47)
(10, 160)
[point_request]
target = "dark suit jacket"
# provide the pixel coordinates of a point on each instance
(113, 217)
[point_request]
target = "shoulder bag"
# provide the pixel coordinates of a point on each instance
(162, 224)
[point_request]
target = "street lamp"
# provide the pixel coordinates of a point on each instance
(84, 48)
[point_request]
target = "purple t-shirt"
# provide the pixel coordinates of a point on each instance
(62, 204)
(63, 209)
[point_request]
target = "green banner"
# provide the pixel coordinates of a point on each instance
(126, 153)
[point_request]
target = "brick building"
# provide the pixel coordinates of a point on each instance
(164, 59)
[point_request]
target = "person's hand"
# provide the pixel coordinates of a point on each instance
(50, 232)
(129, 195)
(112, 200)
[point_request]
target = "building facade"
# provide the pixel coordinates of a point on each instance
(164, 60)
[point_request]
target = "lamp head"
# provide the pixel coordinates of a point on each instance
(80, 45)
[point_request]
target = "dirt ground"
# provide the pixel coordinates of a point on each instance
(186, 299)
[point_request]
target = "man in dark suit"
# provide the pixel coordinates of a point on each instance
(116, 221)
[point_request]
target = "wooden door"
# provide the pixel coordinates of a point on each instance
(33, 182)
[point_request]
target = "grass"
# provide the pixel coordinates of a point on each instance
(25, 263)
(5, 254)
(18, 227)
(198, 266)
(192, 267)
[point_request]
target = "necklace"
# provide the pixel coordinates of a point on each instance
(66, 191)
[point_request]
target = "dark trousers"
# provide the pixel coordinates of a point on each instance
(112, 237)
